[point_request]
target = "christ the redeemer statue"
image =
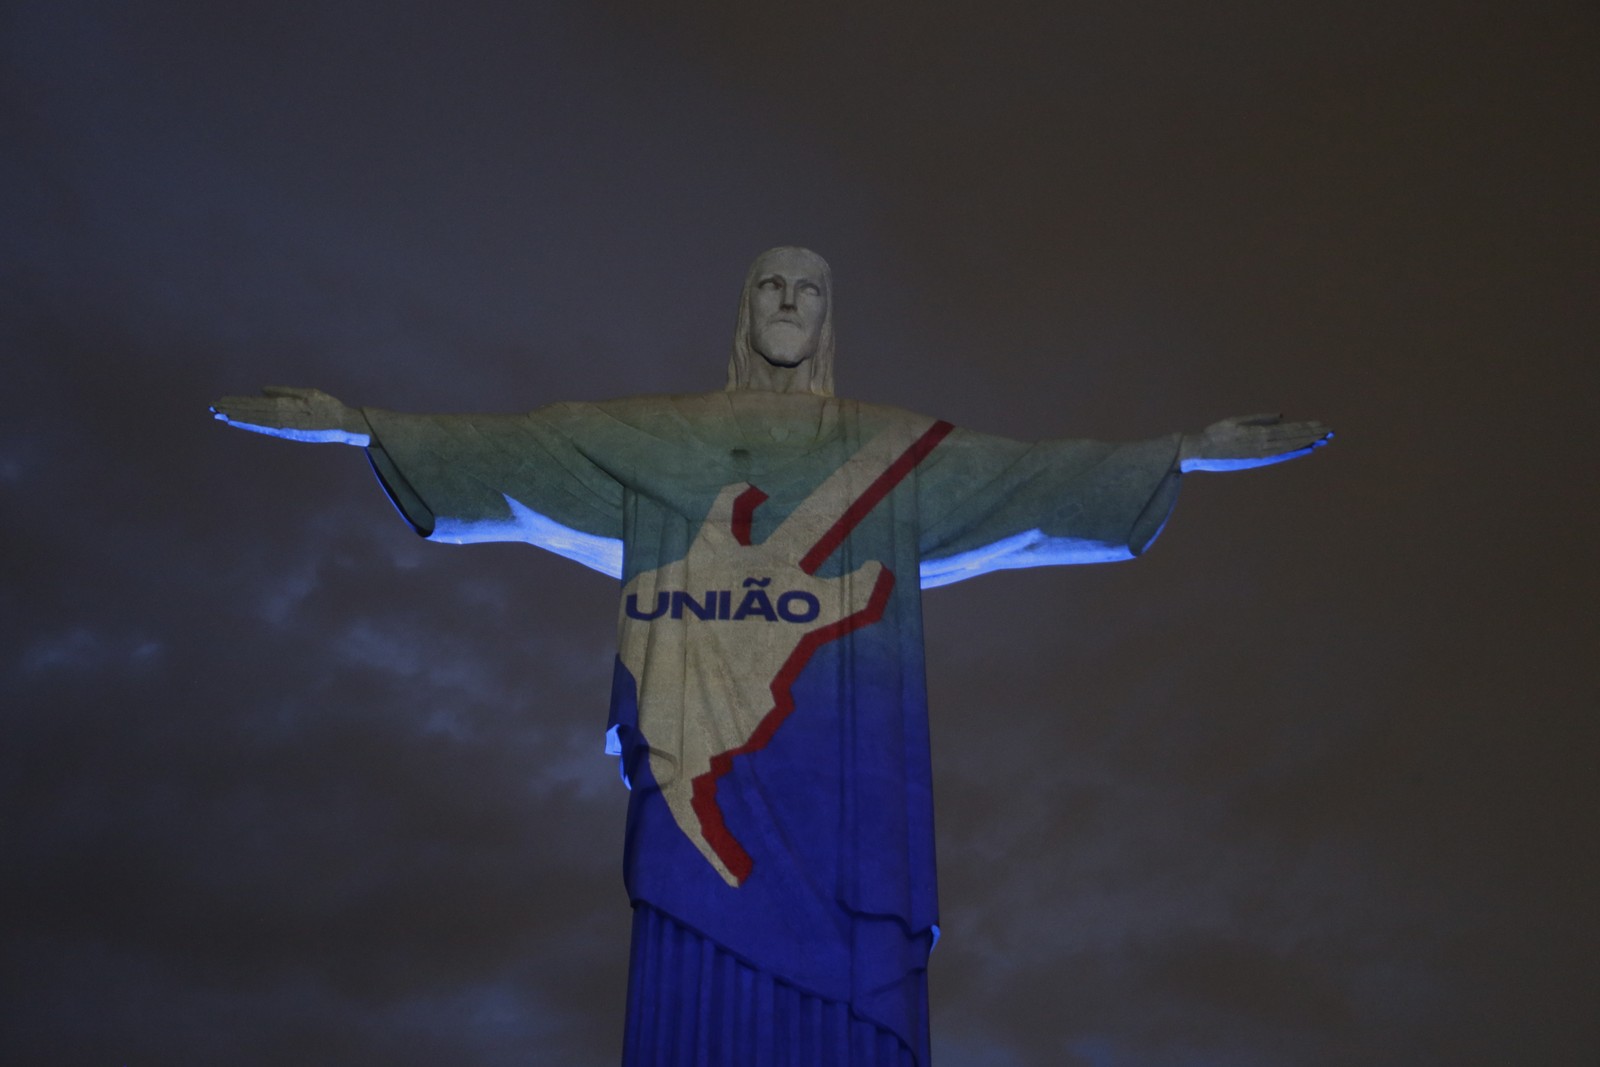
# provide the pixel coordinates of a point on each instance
(769, 706)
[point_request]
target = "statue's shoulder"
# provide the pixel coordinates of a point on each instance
(659, 408)
(711, 414)
(662, 417)
(884, 415)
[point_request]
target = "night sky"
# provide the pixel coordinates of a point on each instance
(1312, 783)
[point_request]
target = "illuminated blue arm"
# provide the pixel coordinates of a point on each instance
(462, 479)
(990, 504)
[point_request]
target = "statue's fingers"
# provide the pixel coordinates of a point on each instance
(234, 400)
(1297, 446)
(1280, 440)
(240, 408)
(1257, 420)
(1302, 444)
(1317, 440)
(1298, 433)
(289, 392)
(1303, 425)
(286, 412)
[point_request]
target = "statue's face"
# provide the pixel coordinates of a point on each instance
(788, 306)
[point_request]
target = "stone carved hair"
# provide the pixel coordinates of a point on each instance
(818, 370)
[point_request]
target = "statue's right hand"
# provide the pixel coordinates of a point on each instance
(296, 415)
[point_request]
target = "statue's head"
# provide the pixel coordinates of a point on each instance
(785, 328)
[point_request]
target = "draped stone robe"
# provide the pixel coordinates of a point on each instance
(769, 707)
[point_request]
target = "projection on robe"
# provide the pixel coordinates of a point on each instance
(768, 705)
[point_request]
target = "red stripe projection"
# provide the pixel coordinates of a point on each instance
(744, 512)
(875, 492)
(704, 797)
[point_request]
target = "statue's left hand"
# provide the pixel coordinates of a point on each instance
(1247, 441)
(296, 415)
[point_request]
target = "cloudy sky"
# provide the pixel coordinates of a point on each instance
(1313, 783)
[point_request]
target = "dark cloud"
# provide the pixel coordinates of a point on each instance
(1311, 783)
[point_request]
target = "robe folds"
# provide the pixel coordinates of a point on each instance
(768, 706)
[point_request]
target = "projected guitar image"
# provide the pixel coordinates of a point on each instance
(715, 640)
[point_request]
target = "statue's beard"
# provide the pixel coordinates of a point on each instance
(785, 357)
(784, 346)
(783, 360)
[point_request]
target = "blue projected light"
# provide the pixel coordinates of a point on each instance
(603, 554)
(1031, 548)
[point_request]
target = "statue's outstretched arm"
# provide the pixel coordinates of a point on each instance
(1247, 441)
(296, 415)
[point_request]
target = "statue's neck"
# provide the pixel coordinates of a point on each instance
(774, 379)
(782, 420)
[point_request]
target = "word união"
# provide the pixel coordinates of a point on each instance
(794, 605)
